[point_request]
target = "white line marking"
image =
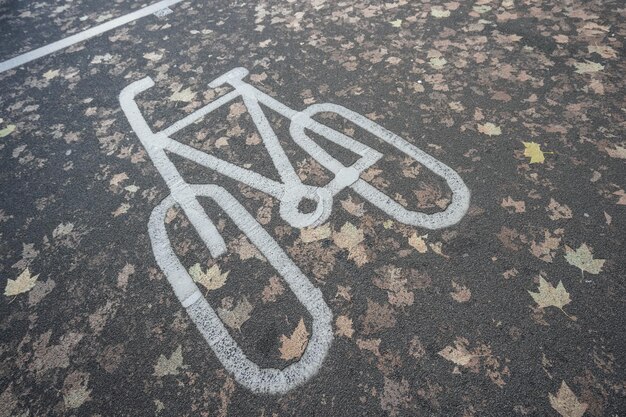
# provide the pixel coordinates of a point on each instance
(84, 35)
(289, 192)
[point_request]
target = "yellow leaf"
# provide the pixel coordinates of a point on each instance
(183, 95)
(418, 243)
(566, 403)
(309, 235)
(23, 283)
(212, 279)
(533, 151)
(7, 131)
(549, 296)
(489, 129)
(396, 23)
(292, 347)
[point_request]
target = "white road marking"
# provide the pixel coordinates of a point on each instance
(84, 35)
(289, 192)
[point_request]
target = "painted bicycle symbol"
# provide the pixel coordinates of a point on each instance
(290, 191)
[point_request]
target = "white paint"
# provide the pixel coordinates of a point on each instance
(289, 191)
(246, 372)
(84, 35)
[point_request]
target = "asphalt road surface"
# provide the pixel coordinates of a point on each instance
(447, 240)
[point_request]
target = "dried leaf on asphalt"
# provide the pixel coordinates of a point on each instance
(236, 317)
(7, 131)
(583, 259)
(314, 234)
(489, 129)
(292, 347)
(211, 279)
(588, 67)
(23, 283)
(353, 208)
(566, 403)
(344, 326)
(533, 151)
(349, 238)
(549, 296)
(418, 243)
(171, 365)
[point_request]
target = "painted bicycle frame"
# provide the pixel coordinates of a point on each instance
(290, 191)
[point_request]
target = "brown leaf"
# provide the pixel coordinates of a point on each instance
(461, 293)
(236, 317)
(273, 290)
(518, 206)
(292, 347)
(344, 326)
(558, 211)
(566, 403)
(377, 317)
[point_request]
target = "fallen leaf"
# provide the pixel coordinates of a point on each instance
(292, 347)
(518, 206)
(212, 279)
(344, 326)
(588, 67)
(7, 131)
(185, 95)
(439, 13)
(437, 62)
(457, 354)
(558, 211)
(75, 392)
(377, 317)
(349, 238)
(622, 197)
(50, 74)
(533, 151)
(122, 209)
(461, 293)
(153, 56)
(546, 250)
(171, 365)
(272, 290)
(308, 235)
(602, 50)
(236, 317)
(619, 152)
(396, 23)
(395, 282)
(489, 129)
(23, 283)
(583, 259)
(353, 208)
(418, 243)
(566, 403)
(549, 296)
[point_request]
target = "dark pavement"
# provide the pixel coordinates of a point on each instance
(518, 309)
